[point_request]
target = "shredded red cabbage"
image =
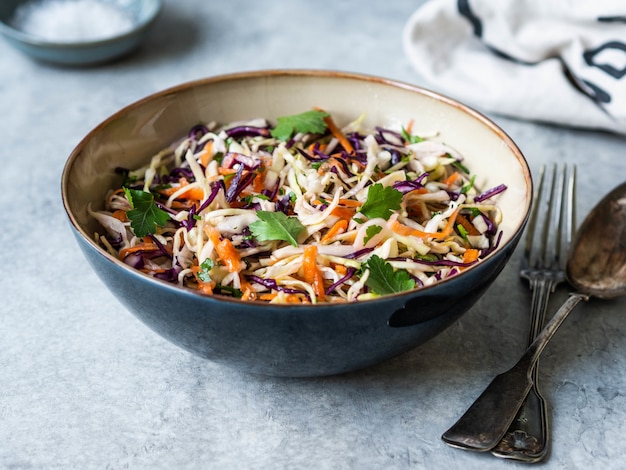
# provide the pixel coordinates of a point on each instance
(247, 131)
(349, 273)
(490, 193)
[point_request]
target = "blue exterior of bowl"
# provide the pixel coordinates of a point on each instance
(294, 341)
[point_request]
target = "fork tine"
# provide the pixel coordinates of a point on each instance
(552, 219)
(566, 224)
(559, 218)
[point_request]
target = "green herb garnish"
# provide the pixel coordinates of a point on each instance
(307, 122)
(459, 166)
(229, 290)
(145, 216)
(411, 139)
(469, 185)
(218, 157)
(371, 231)
(205, 267)
(276, 226)
(248, 199)
(475, 212)
(383, 279)
(381, 201)
(428, 257)
(462, 231)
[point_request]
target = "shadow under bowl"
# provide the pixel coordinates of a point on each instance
(292, 340)
(142, 13)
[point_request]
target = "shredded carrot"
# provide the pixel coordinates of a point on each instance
(312, 273)
(336, 132)
(182, 205)
(120, 215)
(419, 191)
(451, 179)
(350, 203)
(226, 171)
(470, 255)
(467, 225)
(450, 225)
(206, 287)
(409, 126)
(407, 231)
(248, 292)
(335, 230)
(294, 299)
(259, 182)
(207, 153)
(270, 296)
(343, 212)
(225, 249)
(146, 246)
(311, 147)
(340, 269)
(287, 298)
(192, 193)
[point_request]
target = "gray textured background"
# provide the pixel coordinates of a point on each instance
(84, 385)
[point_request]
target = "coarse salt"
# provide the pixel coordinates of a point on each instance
(72, 20)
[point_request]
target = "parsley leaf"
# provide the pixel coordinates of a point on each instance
(381, 201)
(205, 267)
(383, 279)
(309, 121)
(276, 226)
(411, 139)
(144, 216)
(371, 231)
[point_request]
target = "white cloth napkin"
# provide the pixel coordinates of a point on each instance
(557, 61)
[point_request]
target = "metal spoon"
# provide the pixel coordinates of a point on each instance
(596, 266)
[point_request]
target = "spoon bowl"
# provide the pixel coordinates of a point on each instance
(596, 266)
(597, 262)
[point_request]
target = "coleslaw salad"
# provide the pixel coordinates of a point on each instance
(301, 211)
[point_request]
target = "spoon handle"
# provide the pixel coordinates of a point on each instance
(486, 421)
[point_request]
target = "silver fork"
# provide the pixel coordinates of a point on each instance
(543, 265)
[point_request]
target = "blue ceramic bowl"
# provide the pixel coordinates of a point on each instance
(291, 340)
(142, 13)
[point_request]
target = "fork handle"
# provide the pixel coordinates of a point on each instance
(526, 439)
(485, 422)
(541, 289)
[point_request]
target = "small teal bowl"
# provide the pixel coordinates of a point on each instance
(291, 340)
(143, 13)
